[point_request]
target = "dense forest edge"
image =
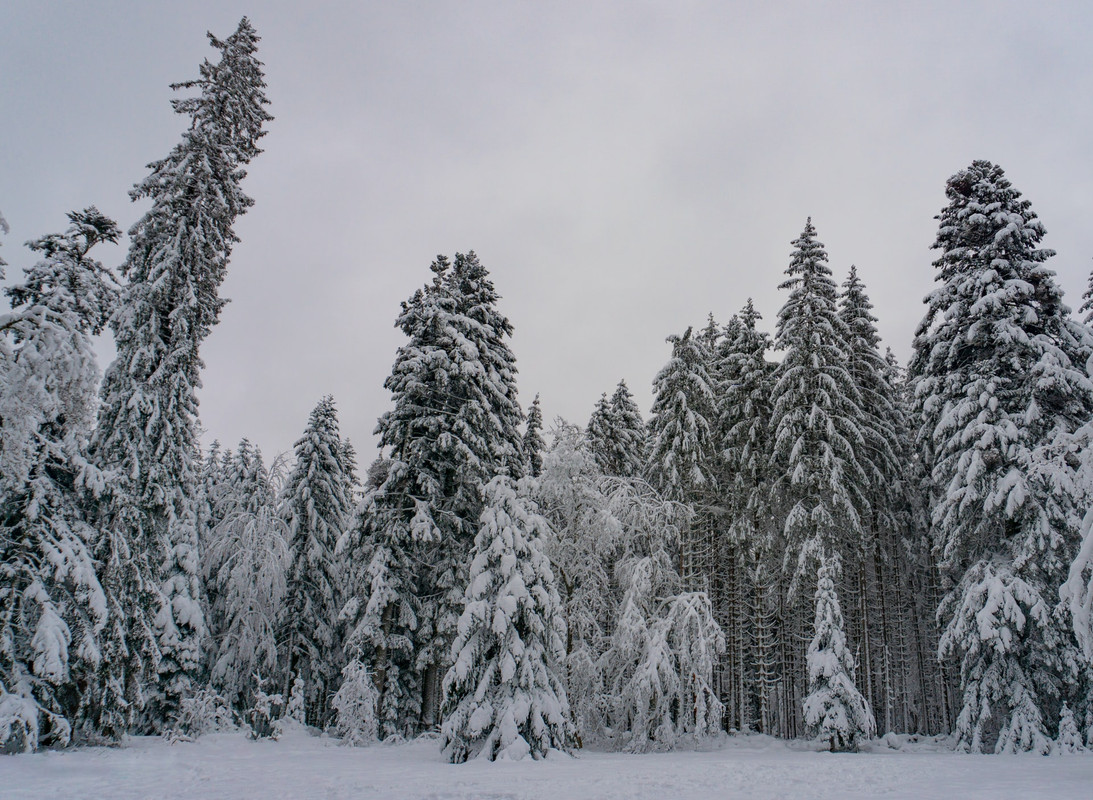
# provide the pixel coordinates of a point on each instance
(805, 539)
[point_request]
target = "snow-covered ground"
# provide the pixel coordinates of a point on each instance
(300, 766)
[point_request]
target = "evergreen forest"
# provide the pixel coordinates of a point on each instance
(804, 538)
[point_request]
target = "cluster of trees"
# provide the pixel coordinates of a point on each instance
(818, 545)
(101, 603)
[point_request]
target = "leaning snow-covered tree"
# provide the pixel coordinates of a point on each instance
(504, 694)
(1000, 389)
(52, 606)
(835, 711)
(147, 428)
(317, 507)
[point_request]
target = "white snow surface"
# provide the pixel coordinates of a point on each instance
(229, 765)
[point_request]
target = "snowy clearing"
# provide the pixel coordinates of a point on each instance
(300, 766)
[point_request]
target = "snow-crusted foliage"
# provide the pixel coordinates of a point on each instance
(682, 455)
(835, 711)
(746, 385)
(1077, 592)
(354, 706)
(204, 711)
(52, 605)
(264, 715)
(616, 434)
(19, 723)
(533, 438)
(816, 409)
(696, 641)
(664, 648)
(245, 566)
(317, 506)
(147, 429)
(990, 613)
(1069, 739)
(581, 546)
(999, 389)
(869, 372)
(294, 709)
(680, 430)
(504, 695)
(628, 436)
(454, 425)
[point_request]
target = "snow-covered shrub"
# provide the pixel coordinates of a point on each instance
(204, 711)
(1069, 739)
(18, 724)
(355, 706)
(295, 708)
(264, 715)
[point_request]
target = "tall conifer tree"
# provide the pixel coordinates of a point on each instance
(147, 433)
(317, 500)
(454, 426)
(999, 386)
(681, 449)
(816, 408)
(533, 438)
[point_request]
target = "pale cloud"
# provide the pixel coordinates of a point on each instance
(621, 168)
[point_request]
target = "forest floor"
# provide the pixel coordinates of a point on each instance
(229, 765)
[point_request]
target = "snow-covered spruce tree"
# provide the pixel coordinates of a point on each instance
(616, 434)
(317, 508)
(868, 568)
(147, 429)
(835, 711)
(745, 587)
(246, 569)
(355, 706)
(533, 438)
(681, 448)
(454, 425)
(598, 433)
(817, 483)
(815, 413)
(504, 694)
(1069, 739)
(582, 547)
(747, 383)
(999, 389)
(627, 435)
(52, 606)
(1087, 304)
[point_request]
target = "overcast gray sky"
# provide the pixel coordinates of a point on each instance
(622, 169)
